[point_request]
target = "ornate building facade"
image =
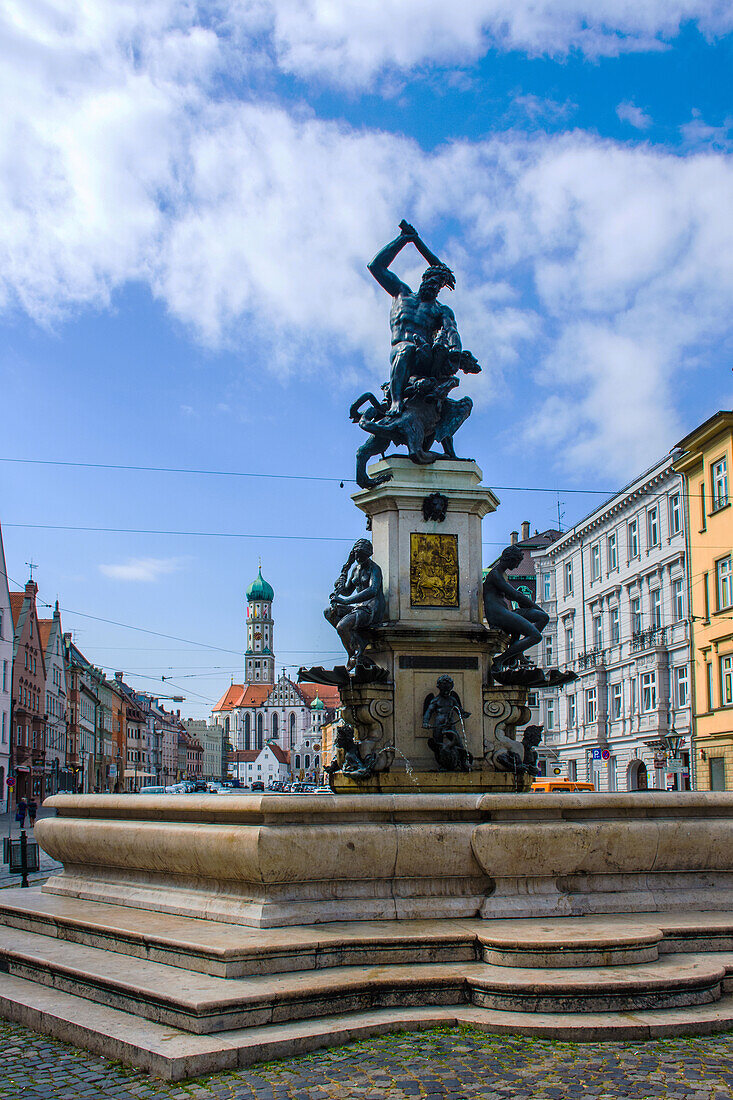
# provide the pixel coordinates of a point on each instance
(264, 710)
(615, 588)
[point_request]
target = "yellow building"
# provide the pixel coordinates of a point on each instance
(705, 464)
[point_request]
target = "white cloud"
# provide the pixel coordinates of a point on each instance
(141, 569)
(635, 116)
(351, 42)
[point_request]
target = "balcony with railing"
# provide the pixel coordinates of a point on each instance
(648, 639)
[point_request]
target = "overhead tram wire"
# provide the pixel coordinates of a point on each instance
(256, 474)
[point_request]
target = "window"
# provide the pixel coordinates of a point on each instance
(616, 700)
(612, 553)
(259, 732)
(546, 586)
(719, 473)
(706, 596)
(726, 681)
(591, 705)
(573, 770)
(681, 686)
(533, 699)
(648, 691)
(678, 600)
(655, 607)
(703, 517)
(569, 643)
(568, 574)
(725, 583)
(548, 650)
(275, 726)
(572, 712)
(615, 626)
(292, 730)
(633, 538)
(307, 760)
(636, 615)
(5, 675)
(652, 526)
(550, 715)
(598, 632)
(675, 514)
(595, 562)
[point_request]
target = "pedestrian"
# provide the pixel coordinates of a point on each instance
(32, 811)
(20, 812)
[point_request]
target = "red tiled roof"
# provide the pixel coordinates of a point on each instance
(16, 605)
(44, 629)
(245, 755)
(244, 695)
(327, 693)
(230, 696)
(255, 695)
(280, 754)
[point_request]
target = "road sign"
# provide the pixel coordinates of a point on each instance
(557, 771)
(10, 781)
(596, 754)
(676, 766)
(605, 755)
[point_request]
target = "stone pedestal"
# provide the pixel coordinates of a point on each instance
(432, 571)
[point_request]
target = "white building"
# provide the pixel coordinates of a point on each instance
(615, 588)
(267, 765)
(52, 640)
(6, 677)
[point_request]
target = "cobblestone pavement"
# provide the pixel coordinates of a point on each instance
(457, 1063)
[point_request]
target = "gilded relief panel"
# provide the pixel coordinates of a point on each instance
(433, 570)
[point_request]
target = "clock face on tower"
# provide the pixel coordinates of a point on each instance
(257, 636)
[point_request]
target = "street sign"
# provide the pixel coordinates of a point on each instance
(596, 754)
(605, 755)
(677, 767)
(557, 771)
(10, 781)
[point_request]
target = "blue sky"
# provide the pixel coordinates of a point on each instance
(189, 194)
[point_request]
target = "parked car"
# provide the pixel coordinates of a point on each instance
(152, 790)
(258, 785)
(322, 790)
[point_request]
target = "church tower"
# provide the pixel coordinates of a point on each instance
(259, 657)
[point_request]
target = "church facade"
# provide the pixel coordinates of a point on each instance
(265, 710)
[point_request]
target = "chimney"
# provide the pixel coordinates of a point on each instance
(513, 538)
(525, 530)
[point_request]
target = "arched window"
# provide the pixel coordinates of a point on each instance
(247, 731)
(226, 726)
(259, 731)
(292, 730)
(307, 760)
(274, 725)
(316, 762)
(297, 760)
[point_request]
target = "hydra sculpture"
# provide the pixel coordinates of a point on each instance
(426, 357)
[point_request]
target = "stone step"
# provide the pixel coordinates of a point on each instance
(570, 943)
(175, 1055)
(202, 1003)
(231, 951)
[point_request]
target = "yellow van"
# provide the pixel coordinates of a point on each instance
(547, 785)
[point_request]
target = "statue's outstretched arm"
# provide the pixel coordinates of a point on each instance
(379, 267)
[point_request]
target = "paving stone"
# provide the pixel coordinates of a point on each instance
(445, 1064)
